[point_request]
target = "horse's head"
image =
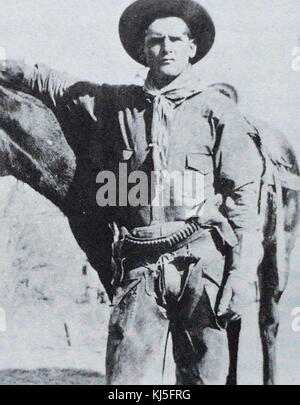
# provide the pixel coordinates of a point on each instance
(33, 147)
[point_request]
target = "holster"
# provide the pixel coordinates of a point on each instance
(173, 276)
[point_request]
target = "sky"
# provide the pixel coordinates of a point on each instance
(253, 48)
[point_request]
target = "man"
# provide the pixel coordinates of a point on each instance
(188, 266)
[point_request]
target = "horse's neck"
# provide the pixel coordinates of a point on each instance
(32, 146)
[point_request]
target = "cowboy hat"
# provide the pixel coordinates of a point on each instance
(140, 14)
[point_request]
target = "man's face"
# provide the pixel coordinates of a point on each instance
(168, 47)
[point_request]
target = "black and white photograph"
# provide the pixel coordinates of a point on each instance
(150, 194)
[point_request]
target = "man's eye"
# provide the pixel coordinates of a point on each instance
(154, 41)
(175, 39)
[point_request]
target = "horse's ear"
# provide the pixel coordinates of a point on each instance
(11, 72)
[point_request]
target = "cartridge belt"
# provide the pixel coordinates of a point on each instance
(140, 248)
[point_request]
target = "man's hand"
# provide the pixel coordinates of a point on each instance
(83, 95)
(238, 294)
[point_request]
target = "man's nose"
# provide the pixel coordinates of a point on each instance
(167, 45)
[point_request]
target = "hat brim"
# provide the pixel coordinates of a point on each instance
(140, 14)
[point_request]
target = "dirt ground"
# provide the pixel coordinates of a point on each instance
(52, 376)
(34, 349)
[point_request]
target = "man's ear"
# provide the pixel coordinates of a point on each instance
(193, 48)
(142, 53)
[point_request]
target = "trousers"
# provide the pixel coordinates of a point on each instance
(144, 313)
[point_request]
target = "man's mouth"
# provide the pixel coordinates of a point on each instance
(166, 61)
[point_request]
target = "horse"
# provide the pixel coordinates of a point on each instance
(281, 205)
(39, 148)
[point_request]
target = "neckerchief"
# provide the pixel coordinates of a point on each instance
(165, 101)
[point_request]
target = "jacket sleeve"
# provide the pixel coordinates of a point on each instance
(238, 171)
(39, 80)
(58, 90)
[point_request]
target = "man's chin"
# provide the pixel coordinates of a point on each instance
(168, 72)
